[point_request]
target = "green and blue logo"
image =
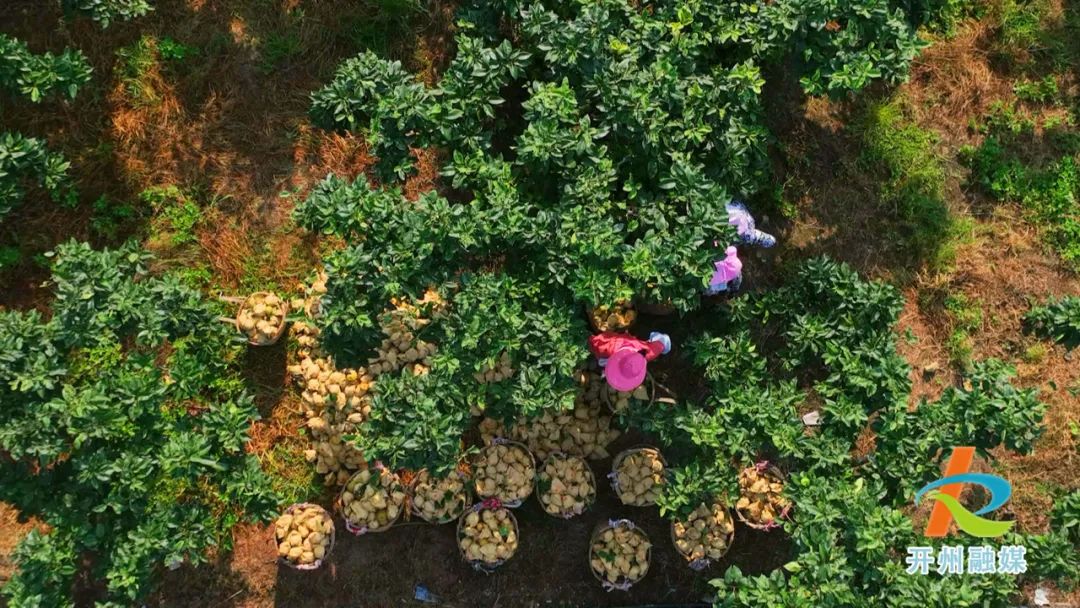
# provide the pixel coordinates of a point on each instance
(946, 492)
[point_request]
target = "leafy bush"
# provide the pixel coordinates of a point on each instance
(1058, 320)
(403, 248)
(26, 159)
(107, 11)
(40, 76)
(122, 429)
(593, 150)
(1049, 192)
(1066, 516)
(834, 332)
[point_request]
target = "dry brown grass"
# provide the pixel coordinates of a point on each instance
(317, 153)
(13, 531)
(226, 244)
(953, 81)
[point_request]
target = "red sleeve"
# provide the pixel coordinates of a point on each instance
(653, 350)
(602, 345)
(605, 344)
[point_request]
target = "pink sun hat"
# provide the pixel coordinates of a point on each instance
(625, 370)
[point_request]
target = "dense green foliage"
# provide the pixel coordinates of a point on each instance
(399, 247)
(122, 428)
(832, 332)
(1058, 320)
(40, 76)
(26, 160)
(591, 152)
(107, 11)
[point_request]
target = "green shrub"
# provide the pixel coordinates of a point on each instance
(1021, 24)
(1057, 320)
(1049, 195)
(943, 16)
(9, 257)
(132, 453)
(833, 332)
(172, 50)
(592, 154)
(1044, 90)
(175, 215)
(41, 76)
(110, 217)
(1066, 516)
(107, 11)
(26, 160)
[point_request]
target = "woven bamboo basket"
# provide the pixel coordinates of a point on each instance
(615, 462)
(359, 529)
(315, 565)
(248, 303)
(461, 504)
(531, 479)
(701, 564)
(772, 471)
(567, 514)
(622, 583)
(487, 505)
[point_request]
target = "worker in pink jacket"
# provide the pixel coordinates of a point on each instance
(728, 274)
(625, 358)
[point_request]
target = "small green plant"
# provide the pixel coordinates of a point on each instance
(1021, 25)
(1044, 90)
(107, 11)
(110, 217)
(175, 215)
(25, 161)
(1048, 192)
(1066, 516)
(1058, 320)
(9, 257)
(1007, 118)
(134, 66)
(1034, 354)
(195, 277)
(943, 16)
(38, 77)
(172, 50)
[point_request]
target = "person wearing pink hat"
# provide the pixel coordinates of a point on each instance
(728, 274)
(625, 358)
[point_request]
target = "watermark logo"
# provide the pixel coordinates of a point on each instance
(946, 491)
(958, 559)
